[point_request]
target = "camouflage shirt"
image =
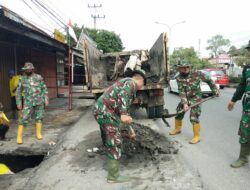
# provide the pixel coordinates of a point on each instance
(34, 90)
(189, 87)
(117, 98)
(244, 85)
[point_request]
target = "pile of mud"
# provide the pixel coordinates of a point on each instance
(148, 144)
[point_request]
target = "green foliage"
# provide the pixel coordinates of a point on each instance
(233, 51)
(107, 41)
(190, 55)
(77, 31)
(233, 79)
(216, 44)
(240, 56)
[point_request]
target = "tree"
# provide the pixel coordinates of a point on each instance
(107, 41)
(233, 51)
(241, 58)
(216, 44)
(188, 54)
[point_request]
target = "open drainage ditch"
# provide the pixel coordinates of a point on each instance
(18, 163)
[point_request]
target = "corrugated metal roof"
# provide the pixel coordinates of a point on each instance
(17, 18)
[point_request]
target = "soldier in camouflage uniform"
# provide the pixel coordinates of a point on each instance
(35, 95)
(111, 111)
(190, 93)
(244, 129)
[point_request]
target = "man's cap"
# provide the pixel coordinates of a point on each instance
(11, 72)
(142, 73)
(184, 63)
(248, 45)
(28, 66)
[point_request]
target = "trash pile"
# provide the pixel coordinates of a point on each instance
(148, 144)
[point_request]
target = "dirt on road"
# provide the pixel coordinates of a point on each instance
(151, 159)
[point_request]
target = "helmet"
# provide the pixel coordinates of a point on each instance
(142, 73)
(184, 63)
(248, 46)
(27, 66)
(11, 72)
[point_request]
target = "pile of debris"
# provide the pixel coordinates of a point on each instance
(148, 144)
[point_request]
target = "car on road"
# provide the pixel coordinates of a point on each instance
(173, 87)
(218, 76)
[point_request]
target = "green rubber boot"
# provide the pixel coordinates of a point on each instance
(243, 158)
(113, 173)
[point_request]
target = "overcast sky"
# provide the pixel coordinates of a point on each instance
(134, 20)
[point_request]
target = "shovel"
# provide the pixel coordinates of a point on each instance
(165, 113)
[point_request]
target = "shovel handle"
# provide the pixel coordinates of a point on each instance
(191, 106)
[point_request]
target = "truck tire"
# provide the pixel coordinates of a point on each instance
(154, 112)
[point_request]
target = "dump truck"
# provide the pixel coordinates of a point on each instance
(100, 67)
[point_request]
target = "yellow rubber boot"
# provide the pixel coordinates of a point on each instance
(19, 139)
(196, 138)
(38, 130)
(178, 126)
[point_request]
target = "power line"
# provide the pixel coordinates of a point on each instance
(45, 12)
(96, 16)
(103, 13)
(51, 9)
(50, 13)
(38, 15)
(53, 6)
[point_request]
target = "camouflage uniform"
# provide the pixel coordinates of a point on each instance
(244, 88)
(114, 102)
(34, 94)
(190, 93)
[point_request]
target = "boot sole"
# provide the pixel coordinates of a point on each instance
(232, 166)
(175, 133)
(112, 182)
(194, 142)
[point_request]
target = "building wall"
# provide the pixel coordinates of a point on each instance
(7, 60)
(44, 63)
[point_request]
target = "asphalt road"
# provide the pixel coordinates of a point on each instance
(219, 143)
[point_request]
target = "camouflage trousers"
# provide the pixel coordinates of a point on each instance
(195, 113)
(111, 135)
(27, 113)
(244, 130)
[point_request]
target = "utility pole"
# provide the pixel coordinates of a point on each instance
(94, 16)
(199, 48)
